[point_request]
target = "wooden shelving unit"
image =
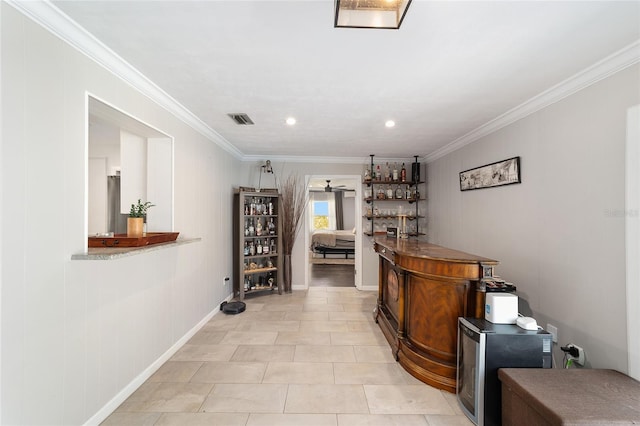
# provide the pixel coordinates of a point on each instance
(256, 270)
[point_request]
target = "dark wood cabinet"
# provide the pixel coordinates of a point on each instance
(423, 289)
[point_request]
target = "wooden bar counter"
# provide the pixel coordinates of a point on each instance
(423, 289)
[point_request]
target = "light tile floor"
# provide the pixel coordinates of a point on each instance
(312, 357)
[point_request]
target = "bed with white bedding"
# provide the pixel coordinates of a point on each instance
(331, 242)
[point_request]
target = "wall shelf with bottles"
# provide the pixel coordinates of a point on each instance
(256, 243)
(386, 184)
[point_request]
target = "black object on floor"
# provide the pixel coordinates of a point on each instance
(233, 307)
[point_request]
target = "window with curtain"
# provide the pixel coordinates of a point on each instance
(322, 211)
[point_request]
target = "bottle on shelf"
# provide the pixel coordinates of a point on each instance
(270, 208)
(246, 228)
(246, 249)
(252, 229)
(378, 172)
(252, 249)
(259, 227)
(407, 193)
(273, 247)
(271, 227)
(380, 195)
(395, 172)
(403, 174)
(367, 174)
(246, 209)
(387, 172)
(265, 246)
(389, 192)
(258, 247)
(399, 193)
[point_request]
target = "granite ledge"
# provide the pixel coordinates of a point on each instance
(110, 253)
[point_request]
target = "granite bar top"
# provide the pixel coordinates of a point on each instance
(111, 253)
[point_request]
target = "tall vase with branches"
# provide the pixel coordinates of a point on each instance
(293, 201)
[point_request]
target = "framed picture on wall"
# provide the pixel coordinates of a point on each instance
(505, 172)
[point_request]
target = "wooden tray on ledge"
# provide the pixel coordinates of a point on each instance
(121, 240)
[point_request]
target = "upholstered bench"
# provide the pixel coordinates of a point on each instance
(532, 397)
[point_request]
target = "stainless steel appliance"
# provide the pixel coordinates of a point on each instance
(483, 348)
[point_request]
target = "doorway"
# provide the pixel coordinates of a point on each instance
(332, 231)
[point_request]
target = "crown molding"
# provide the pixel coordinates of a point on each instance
(47, 15)
(329, 160)
(618, 61)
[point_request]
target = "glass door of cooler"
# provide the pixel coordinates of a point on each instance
(469, 371)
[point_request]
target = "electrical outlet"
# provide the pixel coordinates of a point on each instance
(225, 281)
(579, 359)
(553, 330)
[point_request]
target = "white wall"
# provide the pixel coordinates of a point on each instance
(560, 235)
(76, 333)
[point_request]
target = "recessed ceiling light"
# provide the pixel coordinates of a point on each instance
(390, 123)
(291, 121)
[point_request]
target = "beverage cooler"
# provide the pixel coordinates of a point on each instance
(483, 348)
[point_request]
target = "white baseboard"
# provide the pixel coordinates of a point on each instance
(126, 392)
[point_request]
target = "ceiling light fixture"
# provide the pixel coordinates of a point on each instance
(386, 14)
(291, 121)
(390, 123)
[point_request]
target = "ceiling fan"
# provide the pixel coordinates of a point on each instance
(330, 188)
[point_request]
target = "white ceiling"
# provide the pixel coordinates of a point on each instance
(452, 67)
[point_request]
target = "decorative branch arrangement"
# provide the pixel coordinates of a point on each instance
(293, 199)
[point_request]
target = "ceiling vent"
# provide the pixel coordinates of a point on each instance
(241, 119)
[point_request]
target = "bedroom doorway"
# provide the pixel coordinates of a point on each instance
(332, 231)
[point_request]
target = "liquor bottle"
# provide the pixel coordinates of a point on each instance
(378, 173)
(389, 192)
(380, 195)
(399, 192)
(395, 172)
(265, 246)
(246, 209)
(252, 249)
(272, 227)
(367, 174)
(387, 173)
(407, 193)
(270, 208)
(252, 206)
(259, 227)
(252, 230)
(247, 286)
(246, 228)
(273, 247)
(258, 247)
(246, 249)
(373, 173)
(403, 174)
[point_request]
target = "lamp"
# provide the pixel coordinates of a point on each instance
(387, 14)
(265, 168)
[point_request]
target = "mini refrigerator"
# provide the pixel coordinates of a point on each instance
(483, 348)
